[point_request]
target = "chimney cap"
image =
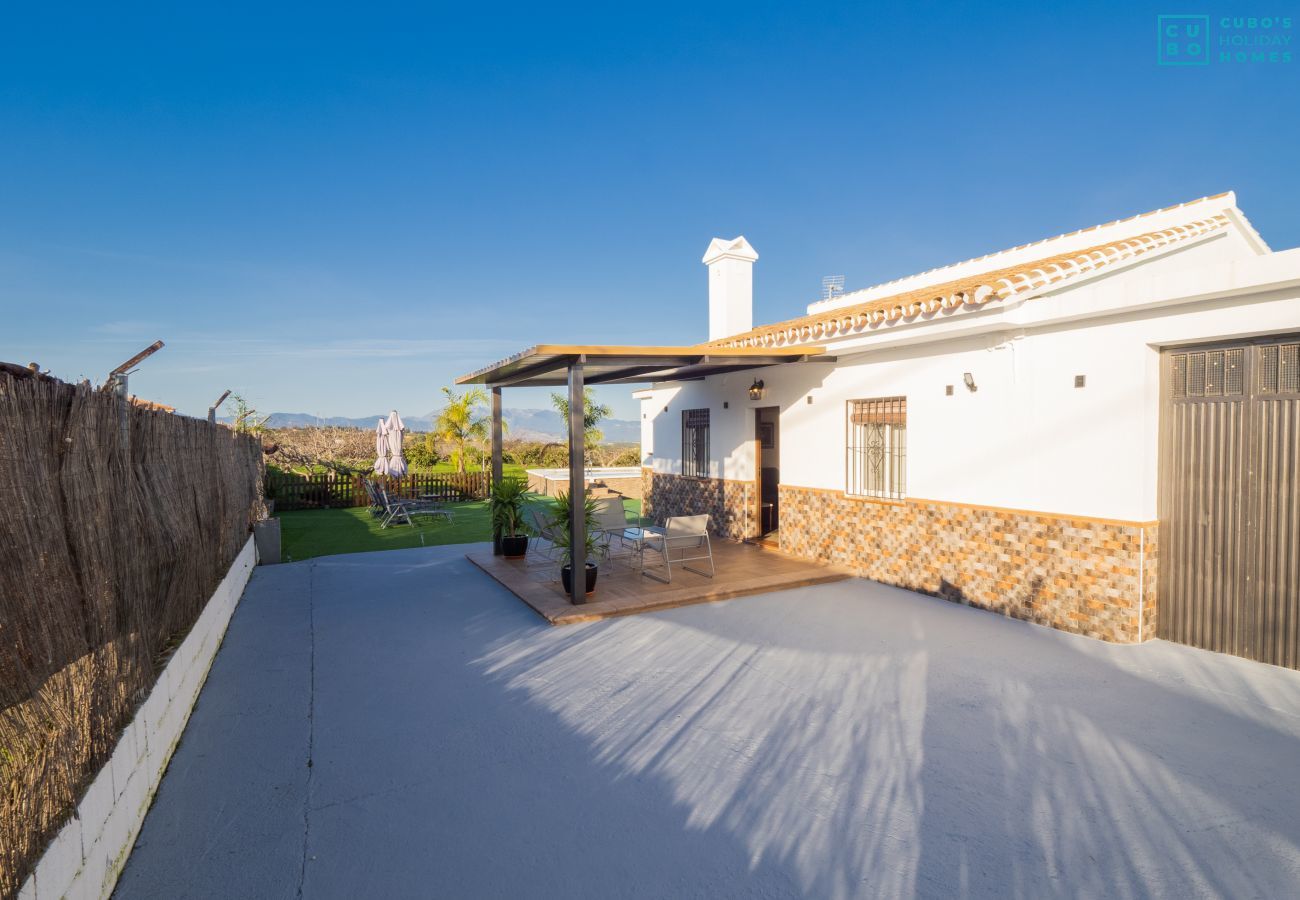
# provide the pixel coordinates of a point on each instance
(733, 248)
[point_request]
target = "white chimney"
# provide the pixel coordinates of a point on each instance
(731, 286)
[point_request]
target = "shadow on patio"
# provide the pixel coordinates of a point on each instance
(843, 740)
(874, 742)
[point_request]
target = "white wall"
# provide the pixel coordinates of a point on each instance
(730, 430)
(1027, 438)
(647, 426)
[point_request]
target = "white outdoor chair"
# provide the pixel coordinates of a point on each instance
(543, 526)
(611, 522)
(682, 536)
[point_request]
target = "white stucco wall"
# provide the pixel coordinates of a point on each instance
(1027, 438)
(647, 425)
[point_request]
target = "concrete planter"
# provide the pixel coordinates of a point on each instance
(267, 535)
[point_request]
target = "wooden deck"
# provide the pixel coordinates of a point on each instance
(621, 590)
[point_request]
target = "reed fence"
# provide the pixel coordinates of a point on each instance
(331, 490)
(111, 542)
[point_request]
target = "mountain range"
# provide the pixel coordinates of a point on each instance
(522, 424)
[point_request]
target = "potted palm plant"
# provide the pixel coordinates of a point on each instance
(564, 540)
(506, 504)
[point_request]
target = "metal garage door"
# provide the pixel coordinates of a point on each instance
(1229, 546)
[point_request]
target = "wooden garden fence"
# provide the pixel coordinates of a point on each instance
(333, 490)
(116, 525)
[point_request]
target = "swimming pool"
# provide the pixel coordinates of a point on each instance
(593, 474)
(624, 480)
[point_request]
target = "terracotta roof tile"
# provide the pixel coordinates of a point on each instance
(972, 291)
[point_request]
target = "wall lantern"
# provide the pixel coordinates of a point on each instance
(756, 389)
(969, 379)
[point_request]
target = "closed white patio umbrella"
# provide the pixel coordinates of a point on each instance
(381, 448)
(395, 429)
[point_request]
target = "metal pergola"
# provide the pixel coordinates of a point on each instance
(555, 365)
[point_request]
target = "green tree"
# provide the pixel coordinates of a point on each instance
(592, 414)
(462, 423)
(246, 418)
(423, 451)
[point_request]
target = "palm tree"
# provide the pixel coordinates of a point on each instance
(592, 414)
(461, 424)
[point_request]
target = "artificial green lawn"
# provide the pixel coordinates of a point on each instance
(306, 533)
(508, 470)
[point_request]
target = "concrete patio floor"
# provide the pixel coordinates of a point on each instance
(399, 725)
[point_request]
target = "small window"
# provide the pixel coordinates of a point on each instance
(1289, 369)
(1236, 371)
(695, 443)
(877, 447)
(1196, 374)
(1268, 370)
(1179, 364)
(1214, 373)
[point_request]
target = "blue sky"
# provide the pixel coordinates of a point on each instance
(337, 209)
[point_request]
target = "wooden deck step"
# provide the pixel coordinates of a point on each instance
(741, 569)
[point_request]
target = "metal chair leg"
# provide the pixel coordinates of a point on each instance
(667, 562)
(712, 571)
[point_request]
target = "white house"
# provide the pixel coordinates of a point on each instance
(1099, 431)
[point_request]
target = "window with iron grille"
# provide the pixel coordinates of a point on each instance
(877, 447)
(695, 443)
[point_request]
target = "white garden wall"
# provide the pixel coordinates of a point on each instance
(84, 860)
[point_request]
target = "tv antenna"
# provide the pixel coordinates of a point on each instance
(832, 286)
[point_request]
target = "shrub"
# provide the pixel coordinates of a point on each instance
(629, 457)
(422, 451)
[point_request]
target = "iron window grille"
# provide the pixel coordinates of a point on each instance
(877, 448)
(695, 443)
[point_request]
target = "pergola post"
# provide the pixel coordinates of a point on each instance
(577, 487)
(496, 460)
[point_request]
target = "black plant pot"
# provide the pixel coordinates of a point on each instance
(567, 577)
(515, 547)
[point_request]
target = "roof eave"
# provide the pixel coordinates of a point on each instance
(542, 365)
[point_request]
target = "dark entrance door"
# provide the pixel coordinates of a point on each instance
(767, 459)
(1229, 545)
